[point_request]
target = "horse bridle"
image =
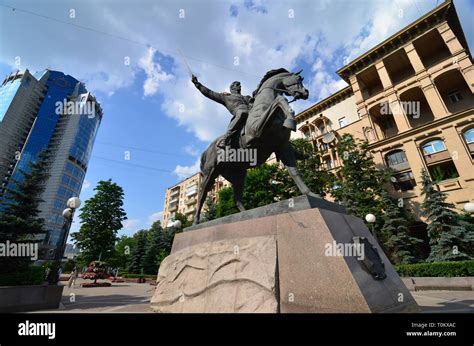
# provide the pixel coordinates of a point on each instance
(278, 89)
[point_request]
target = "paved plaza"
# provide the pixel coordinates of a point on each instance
(133, 297)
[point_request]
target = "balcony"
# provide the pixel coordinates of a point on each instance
(190, 201)
(173, 208)
(382, 117)
(191, 192)
(454, 91)
(437, 157)
(369, 82)
(190, 210)
(174, 192)
(400, 166)
(431, 48)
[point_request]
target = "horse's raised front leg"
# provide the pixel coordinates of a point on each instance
(287, 156)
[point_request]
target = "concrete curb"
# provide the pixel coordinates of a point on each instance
(439, 283)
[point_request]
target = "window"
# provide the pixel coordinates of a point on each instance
(469, 136)
(322, 129)
(404, 181)
(443, 171)
(329, 164)
(455, 96)
(396, 158)
(342, 122)
(433, 147)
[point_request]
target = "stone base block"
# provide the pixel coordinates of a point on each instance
(284, 261)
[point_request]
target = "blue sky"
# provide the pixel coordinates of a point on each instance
(151, 109)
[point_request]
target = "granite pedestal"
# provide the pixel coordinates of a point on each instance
(275, 259)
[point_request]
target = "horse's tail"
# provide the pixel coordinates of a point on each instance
(203, 160)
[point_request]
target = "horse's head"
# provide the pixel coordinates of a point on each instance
(293, 85)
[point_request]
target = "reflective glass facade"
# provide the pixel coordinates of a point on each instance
(68, 141)
(7, 93)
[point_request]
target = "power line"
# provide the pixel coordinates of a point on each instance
(173, 53)
(134, 165)
(142, 149)
(416, 4)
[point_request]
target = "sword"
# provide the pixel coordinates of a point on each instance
(185, 62)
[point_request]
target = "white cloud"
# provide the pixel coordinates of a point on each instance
(262, 36)
(155, 217)
(191, 150)
(185, 171)
(86, 184)
(131, 224)
(154, 73)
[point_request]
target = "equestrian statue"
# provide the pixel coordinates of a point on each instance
(262, 122)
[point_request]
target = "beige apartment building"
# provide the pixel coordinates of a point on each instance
(183, 197)
(411, 97)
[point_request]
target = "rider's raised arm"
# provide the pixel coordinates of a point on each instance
(218, 97)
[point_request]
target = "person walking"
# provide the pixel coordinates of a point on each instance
(72, 278)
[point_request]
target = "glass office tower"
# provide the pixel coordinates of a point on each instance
(53, 113)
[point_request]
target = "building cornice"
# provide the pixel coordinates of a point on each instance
(401, 37)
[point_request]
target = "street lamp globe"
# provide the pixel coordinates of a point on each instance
(73, 203)
(67, 213)
(370, 218)
(177, 224)
(469, 207)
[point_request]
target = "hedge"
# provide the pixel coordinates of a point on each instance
(447, 269)
(137, 276)
(33, 275)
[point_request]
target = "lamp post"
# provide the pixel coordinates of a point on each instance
(177, 224)
(370, 218)
(469, 207)
(72, 204)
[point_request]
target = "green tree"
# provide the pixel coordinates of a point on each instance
(101, 218)
(316, 177)
(150, 261)
(122, 253)
(450, 239)
(138, 253)
(20, 205)
(360, 188)
(19, 213)
(396, 241)
(184, 220)
(267, 184)
(210, 210)
(226, 205)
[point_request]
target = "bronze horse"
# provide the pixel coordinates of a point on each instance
(267, 130)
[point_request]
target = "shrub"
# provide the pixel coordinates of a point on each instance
(137, 276)
(32, 275)
(68, 266)
(448, 269)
